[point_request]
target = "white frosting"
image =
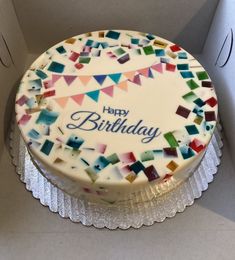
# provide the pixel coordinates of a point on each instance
(80, 98)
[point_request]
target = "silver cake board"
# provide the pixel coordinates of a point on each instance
(111, 216)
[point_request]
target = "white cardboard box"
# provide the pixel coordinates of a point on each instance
(203, 27)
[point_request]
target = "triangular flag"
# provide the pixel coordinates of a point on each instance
(108, 91)
(62, 101)
(115, 77)
(136, 80)
(93, 95)
(78, 98)
(144, 72)
(84, 79)
(69, 79)
(123, 85)
(100, 78)
(129, 75)
(55, 77)
(157, 67)
(150, 74)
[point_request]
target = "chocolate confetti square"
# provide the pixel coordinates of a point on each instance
(182, 111)
(207, 84)
(151, 173)
(170, 152)
(124, 59)
(210, 116)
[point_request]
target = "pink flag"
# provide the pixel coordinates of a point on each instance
(157, 67)
(78, 98)
(108, 91)
(144, 72)
(136, 80)
(101, 148)
(55, 77)
(62, 101)
(84, 79)
(129, 75)
(69, 79)
(123, 85)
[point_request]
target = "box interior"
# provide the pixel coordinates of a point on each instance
(203, 27)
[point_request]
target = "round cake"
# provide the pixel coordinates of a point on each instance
(110, 114)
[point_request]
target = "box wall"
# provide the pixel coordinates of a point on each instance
(219, 60)
(45, 23)
(13, 54)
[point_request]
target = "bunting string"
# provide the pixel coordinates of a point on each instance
(131, 76)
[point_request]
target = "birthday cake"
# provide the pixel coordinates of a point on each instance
(109, 114)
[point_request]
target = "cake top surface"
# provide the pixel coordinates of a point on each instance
(116, 106)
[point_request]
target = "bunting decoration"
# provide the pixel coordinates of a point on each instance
(85, 79)
(78, 98)
(69, 79)
(129, 77)
(62, 101)
(94, 95)
(100, 78)
(108, 91)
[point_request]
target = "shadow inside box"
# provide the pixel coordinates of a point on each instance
(193, 30)
(9, 114)
(220, 196)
